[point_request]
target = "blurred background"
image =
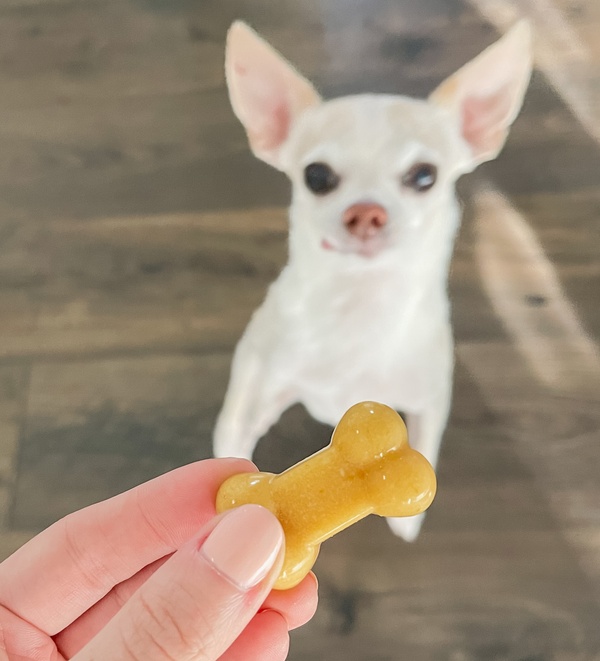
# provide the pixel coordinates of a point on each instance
(137, 234)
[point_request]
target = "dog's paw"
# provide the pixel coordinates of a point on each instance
(407, 527)
(225, 450)
(229, 454)
(227, 443)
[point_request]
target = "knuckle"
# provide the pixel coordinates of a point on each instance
(21, 640)
(96, 575)
(159, 630)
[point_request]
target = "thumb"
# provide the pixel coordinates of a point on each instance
(202, 598)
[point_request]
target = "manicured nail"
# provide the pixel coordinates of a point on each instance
(244, 545)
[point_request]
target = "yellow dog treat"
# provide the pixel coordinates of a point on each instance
(368, 468)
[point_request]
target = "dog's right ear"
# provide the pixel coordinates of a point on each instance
(266, 92)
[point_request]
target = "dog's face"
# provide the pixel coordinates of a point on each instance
(369, 172)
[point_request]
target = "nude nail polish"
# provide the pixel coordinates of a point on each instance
(244, 545)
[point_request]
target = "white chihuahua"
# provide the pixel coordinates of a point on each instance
(361, 311)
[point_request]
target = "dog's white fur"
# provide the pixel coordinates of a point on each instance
(345, 325)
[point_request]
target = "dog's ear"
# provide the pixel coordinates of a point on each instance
(266, 92)
(487, 93)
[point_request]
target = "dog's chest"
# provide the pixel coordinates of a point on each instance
(345, 339)
(354, 322)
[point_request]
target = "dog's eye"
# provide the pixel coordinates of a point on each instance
(421, 177)
(320, 178)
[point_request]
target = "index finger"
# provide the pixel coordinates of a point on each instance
(68, 567)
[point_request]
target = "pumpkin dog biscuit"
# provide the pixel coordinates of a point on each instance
(368, 468)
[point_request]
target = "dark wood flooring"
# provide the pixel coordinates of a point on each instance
(137, 234)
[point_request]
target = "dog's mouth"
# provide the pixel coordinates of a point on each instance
(367, 248)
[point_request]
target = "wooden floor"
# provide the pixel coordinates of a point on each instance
(137, 234)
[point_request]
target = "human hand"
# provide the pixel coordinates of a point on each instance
(153, 574)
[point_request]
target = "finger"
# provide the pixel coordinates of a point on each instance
(202, 598)
(70, 640)
(297, 606)
(21, 641)
(82, 557)
(266, 638)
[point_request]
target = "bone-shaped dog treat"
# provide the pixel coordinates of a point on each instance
(368, 468)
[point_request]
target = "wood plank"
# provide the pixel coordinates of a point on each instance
(556, 436)
(10, 541)
(14, 382)
(99, 287)
(96, 428)
(562, 224)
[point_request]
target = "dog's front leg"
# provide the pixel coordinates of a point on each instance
(257, 394)
(425, 432)
(234, 435)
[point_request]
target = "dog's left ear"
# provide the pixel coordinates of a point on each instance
(487, 93)
(266, 92)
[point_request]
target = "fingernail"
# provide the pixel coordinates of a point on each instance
(244, 545)
(271, 611)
